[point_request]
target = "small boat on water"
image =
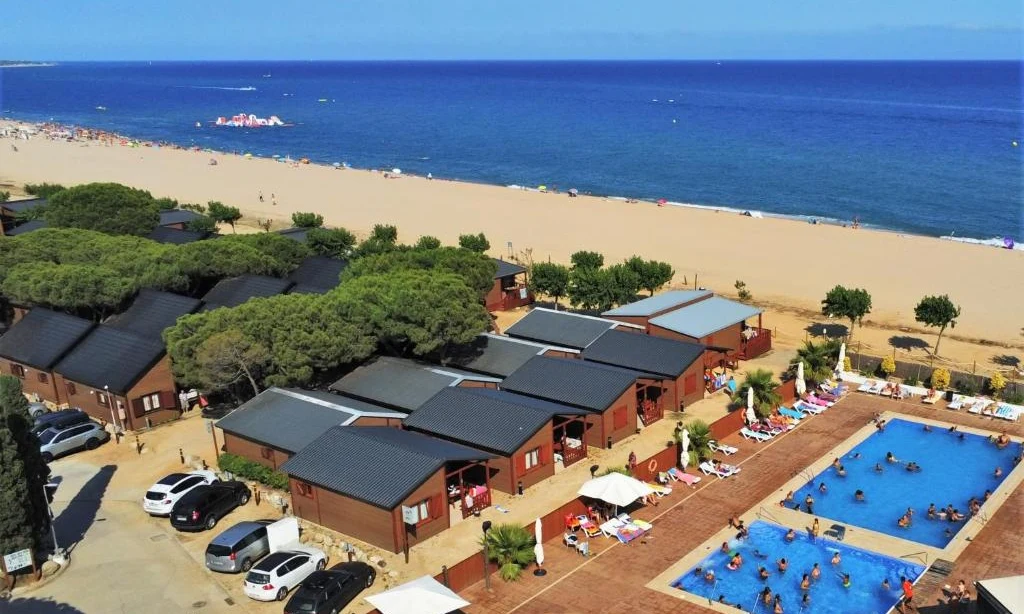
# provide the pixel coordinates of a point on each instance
(249, 121)
(101, 108)
(321, 100)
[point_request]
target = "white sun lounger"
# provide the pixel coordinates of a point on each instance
(724, 449)
(709, 469)
(866, 386)
(933, 399)
(808, 408)
(979, 406)
(877, 388)
(755, 435)
(959, 401)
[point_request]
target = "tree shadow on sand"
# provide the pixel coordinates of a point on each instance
(1006, 360)
(832, 330)
(37, 606)
(81, 512)
(906, 342)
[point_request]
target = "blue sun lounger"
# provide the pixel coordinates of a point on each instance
(792, 413)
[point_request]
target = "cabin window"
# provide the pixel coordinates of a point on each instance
(532, 459)
(423, 510)
(303, 489)
(18, 370)
(267, 453)
(151, 401)
(43, 378)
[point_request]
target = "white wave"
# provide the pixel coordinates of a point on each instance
(993, 242)
(247, 88)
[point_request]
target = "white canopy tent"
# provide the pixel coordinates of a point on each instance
(421, 596)
(615, 488)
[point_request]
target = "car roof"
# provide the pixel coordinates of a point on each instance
(194, 494)
(316, 581)
(61, 429)
(172, 479)
(231, 535)
(275, 560)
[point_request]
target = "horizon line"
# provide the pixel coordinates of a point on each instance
(512, 60)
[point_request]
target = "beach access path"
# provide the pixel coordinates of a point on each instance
(782, 261)
(614, 579)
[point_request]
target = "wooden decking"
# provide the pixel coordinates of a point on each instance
(614, 579)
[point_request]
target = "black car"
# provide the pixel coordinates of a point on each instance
(203, 506)
(59, 419)
(327, 592)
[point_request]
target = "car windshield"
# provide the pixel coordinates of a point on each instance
(218, 550)
(258, 577)
(303, 605)
(47, 436)
(154, 496)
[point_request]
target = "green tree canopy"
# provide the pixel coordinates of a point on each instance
(76, 288)
(331, 242)
(203, 261)
(5, 196)
(652, 274)
(287, 253)
(586, 260)
(475, 243)
(23, 474)
(477, 270)
(819, 359)
(383, 239)
(623, 285)
(165, 204)
(229, 357)
(850, 303)
(107, 207)
(937, 311)
(428, 242)
(549, 279)
(43, 190)
(223, 213)
(700, 441)
(203, 223)
(589, 288)
(307, 220)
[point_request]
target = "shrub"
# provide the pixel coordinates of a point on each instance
(940, 379)
(307, 220)
(967, 387)
(43, 190)
(245, 468)
(910, 380)
(615, 469)
(1014, 398)
(741, 291)
(847, 365)
(996, 383)
(511, 547)
(888, 366)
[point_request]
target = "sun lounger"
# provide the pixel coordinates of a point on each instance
(724, 449)
(808, 408)
(659, 489)
(957, 402)
(876, 388)
(866, 386)
(611, 528)
(643, 525)
(813, 400)
(628, 532)
(591, 529)
(933, 398)
(709, 469)
(756, 436)
(980, 406)
(686, 478)
(785, 411)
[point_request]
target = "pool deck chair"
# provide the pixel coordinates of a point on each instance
(836, 531)
(709, 469)
(724, 449)
(933, 398)
(808, 408)
(749, 434)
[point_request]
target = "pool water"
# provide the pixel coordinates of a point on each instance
(952, 471)
(827, 594)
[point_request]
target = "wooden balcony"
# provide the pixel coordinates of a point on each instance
(515, 296)
(757, 345)
(481, 502)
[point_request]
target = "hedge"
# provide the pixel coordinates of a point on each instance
(245, 468)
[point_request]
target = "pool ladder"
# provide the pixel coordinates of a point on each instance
(916, 555)
(762, 512)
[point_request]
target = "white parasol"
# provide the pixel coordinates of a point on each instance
(751, 416)
(842, 358)
(615, 488)
(538, 550)
(801, 385)
(684, 455)
(421, 596)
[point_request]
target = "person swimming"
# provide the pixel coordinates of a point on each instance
(836, 559)
(903, 522)
(725, 548)
(835, 463)
(763, 573)
(846, 581)
(806, 601)
(913, 467)
(805, 583)
(998, 472)
(809, 503)
(783, 565)
(855, 455)
(759, 554)
(891, 458)
(841, 471)
(1002, 441)
(766, 596)
(824, 489)
(790, 535)
(927, 428)
(859, 496)
(709, 576)
(778, 604)
(815, 572)
(932, 514)
(736, 562)
(878, 468)
(885, 584)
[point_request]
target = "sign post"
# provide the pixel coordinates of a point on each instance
(17, 560)
(410, 516)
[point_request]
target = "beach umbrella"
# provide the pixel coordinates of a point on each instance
(421, 596)
(538, 550)
(751, 416)
(396, 171)
(662, 201)
(801, 385)
(615, 488)
(336, 165)
(842, 357)
(684, 454)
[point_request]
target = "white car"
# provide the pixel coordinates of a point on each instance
(279, 572)
(161, 497)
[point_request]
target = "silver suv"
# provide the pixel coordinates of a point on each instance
(57, 441)
(237, 548)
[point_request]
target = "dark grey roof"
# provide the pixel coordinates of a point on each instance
(111, 357)
(152, 311)
(658, 303)
(290, 419)
(492, 420)
(298, 234)
(559, 328)
(317, 272)
(237, 290)
(174, 236)
(573, 382)
(43, 337)
(27, 227)
(507, 269)
(496, 355)
(378, 465)
(402, 384)
(177, 216)
(643, 352)
(21, 206)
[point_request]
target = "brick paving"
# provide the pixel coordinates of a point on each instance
(613, 580)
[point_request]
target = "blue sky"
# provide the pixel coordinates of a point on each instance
(516, 29)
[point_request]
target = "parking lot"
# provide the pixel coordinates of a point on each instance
(123, 560)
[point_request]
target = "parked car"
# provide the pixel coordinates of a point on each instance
(58, 441)
(161, 497)
(62, 418)
(237, 548)
(37, 409)
(203, 506)
(280, 572)
(327, 592)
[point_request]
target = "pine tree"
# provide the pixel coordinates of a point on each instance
(23, 474)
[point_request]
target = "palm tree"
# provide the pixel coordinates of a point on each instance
(700, 437)
(511, 547)
(819, 359)
(766, 396)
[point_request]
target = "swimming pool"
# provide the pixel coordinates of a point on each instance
(827, 594)
(953, 469)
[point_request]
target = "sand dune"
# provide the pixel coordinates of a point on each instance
(781, 261)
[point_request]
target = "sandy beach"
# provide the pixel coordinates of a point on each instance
(784, 263)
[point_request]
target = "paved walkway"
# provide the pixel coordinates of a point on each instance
(614, 579)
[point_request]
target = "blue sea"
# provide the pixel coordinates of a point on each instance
(921, 147)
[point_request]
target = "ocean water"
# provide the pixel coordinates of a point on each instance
(952, 471)
(742, 587)
(922, 147)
